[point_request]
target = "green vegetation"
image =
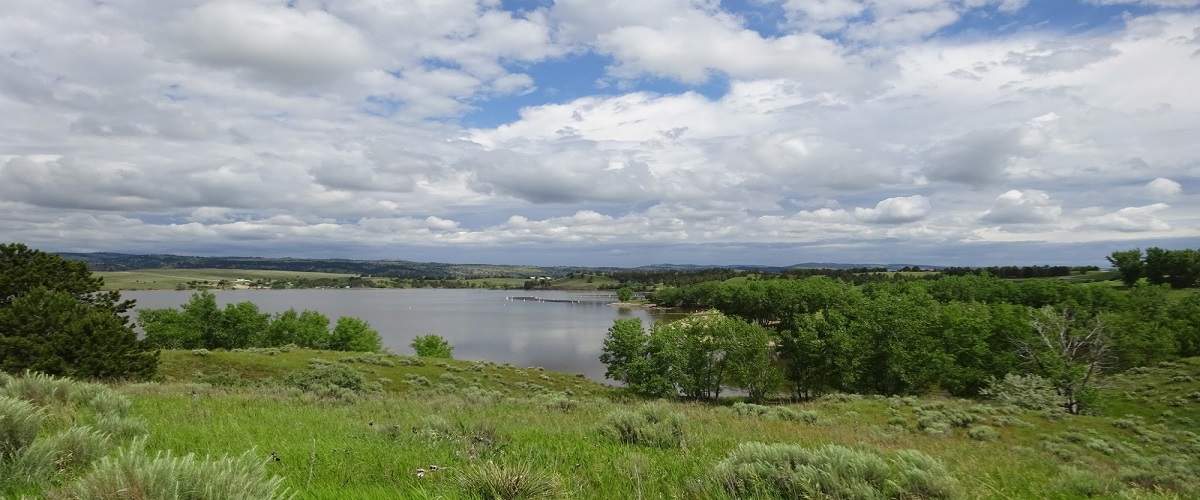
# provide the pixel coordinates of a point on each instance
(432, 346)
(200, 324)
(488, 433)
(906, 336)
(55, 319)
(175, 279)
(1178, 268)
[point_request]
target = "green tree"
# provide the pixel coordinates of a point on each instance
(306, 329)
(752, 365)
(432, 346)
(1129, 265)
(353, 334)
(242, 325)
(625, 294)
(55, 319)
(624, 349)
(1157, 265)
(1069, 351)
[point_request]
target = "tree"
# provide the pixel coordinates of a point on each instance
(432, 346)
(242, 325)
(55, 319)
(1129, 265)
(623, 350)
(816, 353)
(625, 294)
(1156, 265)
(353, 334)
(1069, 351)
(752, 366)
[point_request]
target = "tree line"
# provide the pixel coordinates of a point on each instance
(898, 337)
(1019, 272)
(1177, 268)
(201, 324)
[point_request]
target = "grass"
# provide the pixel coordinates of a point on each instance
(482, 430)
(169, 279)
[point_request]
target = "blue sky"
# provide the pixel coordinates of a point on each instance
(607, 132)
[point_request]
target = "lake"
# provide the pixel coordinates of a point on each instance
(480, 324)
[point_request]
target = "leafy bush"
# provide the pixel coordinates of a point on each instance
(490, 481)
(320, 377)
(134, 474)
(1025, 391)
(432, 346)
(774, 412)
(761, 470)
(19, 425)
(650, 425)
(67, 451)
(983, 433)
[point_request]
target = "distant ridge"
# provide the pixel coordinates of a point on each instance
(110, 261)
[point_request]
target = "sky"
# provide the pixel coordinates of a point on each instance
(603, 132)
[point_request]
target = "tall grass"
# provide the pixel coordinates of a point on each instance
(519, 481)
(68, 451)
(20, 422)
(134, 474)
(650, 425)
(831, 471)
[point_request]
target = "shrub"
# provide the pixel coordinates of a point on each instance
(109, 402)
(133, 474)
(19, 425)
(1026, 391)
(755, 470)
(48, 390)
(1083, 483)
(432, 346)
(66, 451)
(983, 433)
(650, 425)
(490, 481)
(775, 412)
(121, 427)
(322, 376)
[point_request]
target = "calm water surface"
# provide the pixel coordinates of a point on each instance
(481, 324)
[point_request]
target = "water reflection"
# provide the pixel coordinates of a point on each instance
(481, 324)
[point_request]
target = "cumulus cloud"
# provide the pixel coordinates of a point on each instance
(186, 126)
(1162, 187)
(1017, 207)
(895, 210)
(1132, 219)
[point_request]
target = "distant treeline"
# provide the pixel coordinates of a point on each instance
(1016, 272)
(1178, 268)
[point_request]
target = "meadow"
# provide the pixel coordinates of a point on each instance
(353, 425)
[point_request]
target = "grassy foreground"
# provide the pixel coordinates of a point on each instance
(556, 431)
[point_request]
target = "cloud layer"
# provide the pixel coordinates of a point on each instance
(316, 128)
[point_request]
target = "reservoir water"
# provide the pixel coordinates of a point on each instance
(480, 324)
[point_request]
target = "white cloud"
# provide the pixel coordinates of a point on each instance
(1132, 219)
(1162, 187)
(1017, 207)
(274, 42)
(896, 210)
(131, 123)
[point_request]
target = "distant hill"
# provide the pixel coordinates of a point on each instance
(107, 261)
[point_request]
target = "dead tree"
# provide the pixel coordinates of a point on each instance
(1068, 351)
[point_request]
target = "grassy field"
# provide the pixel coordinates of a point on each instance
(462, 415)
(169, 279)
